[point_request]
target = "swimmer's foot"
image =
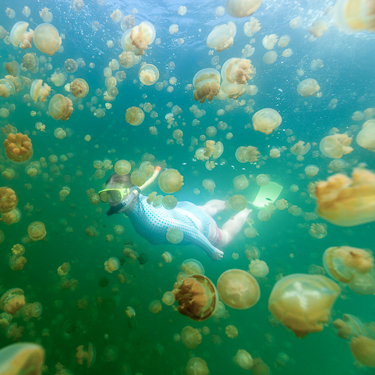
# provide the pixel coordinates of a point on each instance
(217, 255)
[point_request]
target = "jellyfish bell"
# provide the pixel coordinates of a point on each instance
(206, 84)
(88, 355)
(303, 302)
(266, 120)
(148, 74)
(47, 39)
(142, 36)
(197, 297)
(60, 107)
(12, 300)
(308, 87)
(222, 36)
(346, 201)
(242, 8)
(192, 267)
(244, 359)
(79, 88)
(170, 181)
(197, 366)
(366, 136)
(22, 358)
(191, 337)
(238, 289)
(363, 350)
(36, 230)
(134, 116)
(8, 200)
(19, 37)
(7, 88)
(335, 146)
(18, 147)
(37, 91)
(348, 327)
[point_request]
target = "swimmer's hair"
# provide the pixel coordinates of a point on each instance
(117, 179)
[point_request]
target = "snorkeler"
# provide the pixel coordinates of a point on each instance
(195, 222)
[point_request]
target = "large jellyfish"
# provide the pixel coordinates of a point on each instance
(170, 181)
(366, 137)
(12, 300)
(242, 8)
(266, 120)
(60, 107)
(206, 84)
(148, 74)
(303, 302)
(346, 201)
(142, 36)
(79, 88)
(221, 37)
(18, 147)
(335, 146)
(19, 37)
(47, 39)
(39, 91)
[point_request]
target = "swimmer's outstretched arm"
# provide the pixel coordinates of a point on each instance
(198, 239)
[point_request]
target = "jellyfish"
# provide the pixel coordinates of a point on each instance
(303, 302)
(6, 88)
(13, 68)
(170, 181)
(308, 87)
(348, 327)
(284, 41)
(237, 70)
(311, 170)
(12, 300)
(197, 366)
(155, 306)
(354, 15)
(17, 262)
(238, 289)
(168, 298)
(222, 36)
(64, 269)
(8, 200)
(169, 202)
(262, 180)
(318, 28)
(142, 36)
(241, 182)
(47, 39)
(60, 107)
(192, 267)
(242, 8)
(346, 201)
(122, 167)
(148, 74)
(209, 185)
(335, 146)
(363, 350)
(231, 331)
(18, 147)
(30, 62)
(237, 202)
(266, 120)
(112, 264)
(247, 154)
(19, 37)
(22, 358)
(134, 116)
(88, 355)
(36, 230)
(174, 235)
(258, 268)
(269, 41)
(191, 337)
(269, 57)
(79, 88)
(32, 310)
(300, 148)
(366, 137)
(206, 84)
(244, 359)
(46, 15)
(37, 91)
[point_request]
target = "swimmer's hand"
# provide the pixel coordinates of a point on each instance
(217, 255)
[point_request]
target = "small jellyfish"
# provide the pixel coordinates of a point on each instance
(134, 116)
(262, 180)
(258, 268)
(36, 230)
(155, 307)
(191, 337)
(308, 87)
(303, 302)
(111, 265)
(269, 57)
(22, 358)
(170, 181)
(79, 88)
(269, 41)
(166, 256)
(122, 167)
(244, 359)
(231, 331)
(266, 120)
(222, 36)
(39, 91)
(148, 74)
(335, 146)
(237, 202)
(192, 267)
(238, 289)
(363, 350)
(8, 200)
(88, 355)
(174, 235)
(366, 137)
(197, 366)
(348, 327)
(60, 107)
(47, 39)
(241, 182)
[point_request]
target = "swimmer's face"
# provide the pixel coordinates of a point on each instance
(112, 202)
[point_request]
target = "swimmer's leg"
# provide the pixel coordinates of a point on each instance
(233, 226)
(213, 207)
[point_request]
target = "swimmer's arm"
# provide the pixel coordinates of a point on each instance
(201, 241)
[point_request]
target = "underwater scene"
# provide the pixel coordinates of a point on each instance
(187, 187)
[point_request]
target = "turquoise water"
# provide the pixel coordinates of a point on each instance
(145, 344)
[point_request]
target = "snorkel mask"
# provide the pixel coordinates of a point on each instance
(126, 197)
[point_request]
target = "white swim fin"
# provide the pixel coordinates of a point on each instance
(267, 194)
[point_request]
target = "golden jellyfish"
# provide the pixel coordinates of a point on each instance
(166, 256)
(138, 177)
(169, 202)
(303, 302)
(148, 74)
(346, 201)
(79, 88)
(122, 167)
(242, 8)
(348, 327)
(134, 116)
(19, 37)
(174, 235)
(197, 366)
(112, 264)
(262, 180)
(335, 146)
(269, 57)
(197, 297)
(170, 181)
(247, 154)
(237, 202)
(13, 68)
(231, 331)
(168, 298)
(18, 147)
(241, 182)
(308, 87)
(258, 268)
(11, 217)
(88, 355)
(236, 70)
(222, 36)
(191, 337)
(344, 263)
(238, 289)
(64, 269)
(47, 39)
(318, 28)
(209, 184)
(266, 120)
(6, 88)
(300, 148)
(12, 300)
(244, 359)
(311, 170)
(269, 41)
(17, 262)
(22, 358)
(363, 350)
(60, 107)
(206, 84)
(32, 310)
(36, 230)
(155, 307)
(142, 36)
(366, 137)
(192, 267)
(130, 312)
(8, 200)
(37, 91)
(127, 59)
(354, 15)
